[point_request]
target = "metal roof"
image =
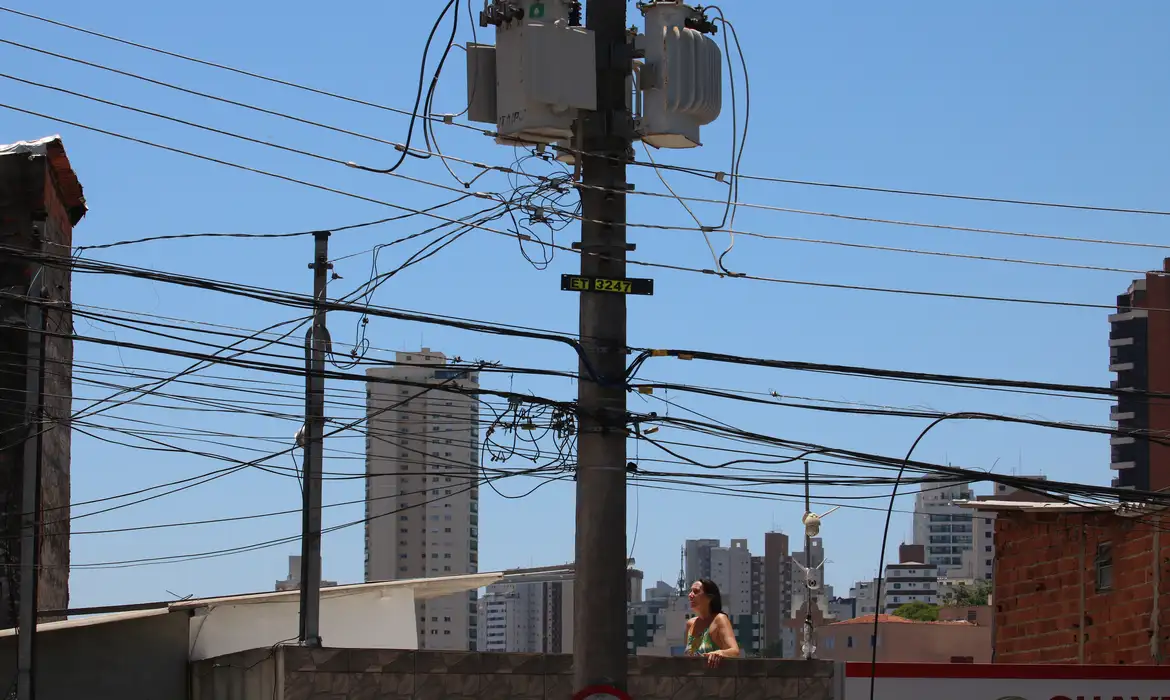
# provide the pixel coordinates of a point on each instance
(1128, 509)
(424, 589)
(91, 620)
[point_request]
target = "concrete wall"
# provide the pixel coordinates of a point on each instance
(29, 195)
(144, 657)
(1045, 574)
(918, 642)
(291, 673)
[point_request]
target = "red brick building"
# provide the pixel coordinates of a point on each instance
(1080, 584)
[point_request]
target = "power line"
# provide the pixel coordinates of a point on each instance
(640, 263)
(694, 171)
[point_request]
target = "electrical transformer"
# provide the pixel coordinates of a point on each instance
(537, 77)
(681, 80)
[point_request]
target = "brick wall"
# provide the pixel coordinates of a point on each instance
(353, 674)
(31, 195)
(1045, 562)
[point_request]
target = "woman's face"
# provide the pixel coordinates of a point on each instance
(696, 596)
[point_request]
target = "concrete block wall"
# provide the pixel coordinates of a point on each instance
(1045, 563)
(354, 674)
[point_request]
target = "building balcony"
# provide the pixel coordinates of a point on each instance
(1120, 366)
(1119, 466)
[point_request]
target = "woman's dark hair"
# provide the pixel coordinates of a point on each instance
(713, 593)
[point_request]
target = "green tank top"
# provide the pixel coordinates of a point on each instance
(706, 646)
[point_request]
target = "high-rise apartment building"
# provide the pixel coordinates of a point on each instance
(777, 577)
(422, 488)
(1139, 353)
(698, 559)
(946, 530)
(527, 617)
(731, 570)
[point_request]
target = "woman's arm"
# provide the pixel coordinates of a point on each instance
(724, 636)
(730, 646)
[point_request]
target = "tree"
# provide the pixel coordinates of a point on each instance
(963, 595)
(921, 612)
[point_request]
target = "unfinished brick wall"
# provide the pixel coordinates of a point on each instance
(1045, 562)
(38, 192)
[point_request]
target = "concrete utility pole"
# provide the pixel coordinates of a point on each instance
(315, 347)
(30, 540)
(605, 135)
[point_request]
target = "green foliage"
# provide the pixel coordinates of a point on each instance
(922, 612)
(964, 595)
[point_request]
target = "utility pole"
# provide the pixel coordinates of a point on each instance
(31, 484)
(810, 597)
(605, 137)
(316, 341)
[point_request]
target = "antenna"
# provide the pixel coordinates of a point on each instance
(682, 571)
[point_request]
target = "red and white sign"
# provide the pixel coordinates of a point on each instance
(894, 681)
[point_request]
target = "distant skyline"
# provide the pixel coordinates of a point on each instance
(1033, 101)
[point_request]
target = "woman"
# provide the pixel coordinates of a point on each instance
(709, 634)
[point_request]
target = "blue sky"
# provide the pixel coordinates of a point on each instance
(1037, 101)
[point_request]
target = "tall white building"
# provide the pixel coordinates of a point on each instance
(945, 529)
(731, 570)
(422, 487)
(959, 542)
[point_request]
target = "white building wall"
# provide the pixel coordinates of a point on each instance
(731, 570)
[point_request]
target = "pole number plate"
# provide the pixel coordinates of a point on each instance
(580, 283)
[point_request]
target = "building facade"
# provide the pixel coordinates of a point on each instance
(293, 582)
(1081, 584)
(1139, 343)
(40, 203)
(910, 582)
(946, 530)
(777, 580)
(731, 570)
(422, 487)
(909, 641)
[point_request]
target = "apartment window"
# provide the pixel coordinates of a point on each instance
(402, 568)
(446, 529)
(987, 548)
(446, 619)
(435, 556)
(403, 517)
(434, 619)
(447, 556)
(1103, 564)
(446, 631)
(403, 531)
(849, 642)
(446, 568)
(402, 542)
(446, 454)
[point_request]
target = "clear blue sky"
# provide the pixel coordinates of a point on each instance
(1042, 100)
